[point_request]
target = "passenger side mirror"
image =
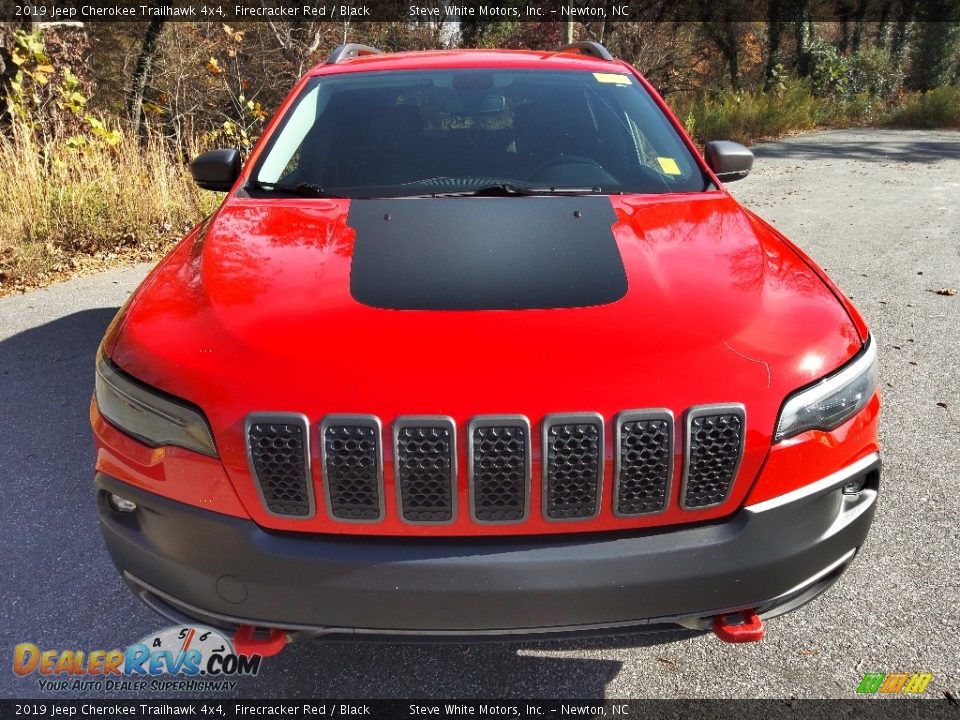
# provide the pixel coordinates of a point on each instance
(729, 161)
(216, 170)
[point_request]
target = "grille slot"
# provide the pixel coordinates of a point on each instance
(425, 467)
(572, 459)
(498, 454)
(644, 462)
(712, 454)
(352, 467)
(279, 455)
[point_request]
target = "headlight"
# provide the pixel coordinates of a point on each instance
(149, 415)
(833, 400)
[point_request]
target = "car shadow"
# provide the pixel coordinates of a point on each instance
(842, 147)
(46, 461)
(489, 670)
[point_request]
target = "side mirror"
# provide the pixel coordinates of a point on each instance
(729, 160)
(216, 170)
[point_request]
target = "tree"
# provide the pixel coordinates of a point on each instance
(725, 34)
(804, 35)
(141, 74)
(932, 62)
(299, 40)
(859, 25)
(774, 38)
(900, 36)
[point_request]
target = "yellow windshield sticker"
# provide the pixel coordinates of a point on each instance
(669, 166)
(612, 78)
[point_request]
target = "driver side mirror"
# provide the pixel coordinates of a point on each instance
(216, 170)
(729, 161)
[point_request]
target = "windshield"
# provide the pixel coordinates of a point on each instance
(457, 132)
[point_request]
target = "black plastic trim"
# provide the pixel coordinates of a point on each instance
(216, 170)
(471, 585)
(425, 421)
(620, 420)
(282, 418)
(367, 421)
(486, 421)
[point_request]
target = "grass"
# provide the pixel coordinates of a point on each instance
(68, 210)
(749, 116)
(64, 208)
(938, 108)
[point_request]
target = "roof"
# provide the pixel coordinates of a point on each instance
(445, 59)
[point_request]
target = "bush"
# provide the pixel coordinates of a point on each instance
(752, 115)
(938, 108)
(872, 72)
(845, 77)
(76, 189)
(64, 203)
(828, 69)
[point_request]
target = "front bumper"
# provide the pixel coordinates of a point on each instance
(224, 571)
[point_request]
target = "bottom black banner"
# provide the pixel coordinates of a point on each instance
(628, 709)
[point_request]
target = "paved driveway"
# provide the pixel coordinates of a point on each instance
(879, 209)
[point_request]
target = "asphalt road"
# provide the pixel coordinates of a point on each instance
(879, 209)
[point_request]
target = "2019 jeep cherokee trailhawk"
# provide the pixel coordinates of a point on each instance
(478, 344)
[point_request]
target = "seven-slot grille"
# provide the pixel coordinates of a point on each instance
(713, 447)
(425, 462)
(499, 454)
(352, 467)
(573, 471)
(499, 468)
(280, 462)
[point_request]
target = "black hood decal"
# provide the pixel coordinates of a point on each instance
(511, 253)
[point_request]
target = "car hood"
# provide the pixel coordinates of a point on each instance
(261, 309)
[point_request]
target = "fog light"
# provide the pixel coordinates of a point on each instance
(122, 504)
(855, 487)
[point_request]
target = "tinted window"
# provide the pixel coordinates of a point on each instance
(410, 133)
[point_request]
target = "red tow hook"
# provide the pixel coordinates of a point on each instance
(244, 643)
(750, 630)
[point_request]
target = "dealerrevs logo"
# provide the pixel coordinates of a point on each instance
(183, 657)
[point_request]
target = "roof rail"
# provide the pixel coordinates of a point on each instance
(588, 47)
(351, 50)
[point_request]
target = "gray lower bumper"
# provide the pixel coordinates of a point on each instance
(225, 571)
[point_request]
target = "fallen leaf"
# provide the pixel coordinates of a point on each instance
(941, 404)
(946, 291)
(213, 67)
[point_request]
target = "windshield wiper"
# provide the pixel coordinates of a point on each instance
(300, 190)
(506, 189)
(510, 190)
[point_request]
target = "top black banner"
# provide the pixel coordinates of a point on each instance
(453, 11)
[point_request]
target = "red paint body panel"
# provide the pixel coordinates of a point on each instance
(252, 312)
(257, 316)
(173, 472)
(812, 455)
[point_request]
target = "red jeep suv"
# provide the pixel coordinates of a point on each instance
(478, 344)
